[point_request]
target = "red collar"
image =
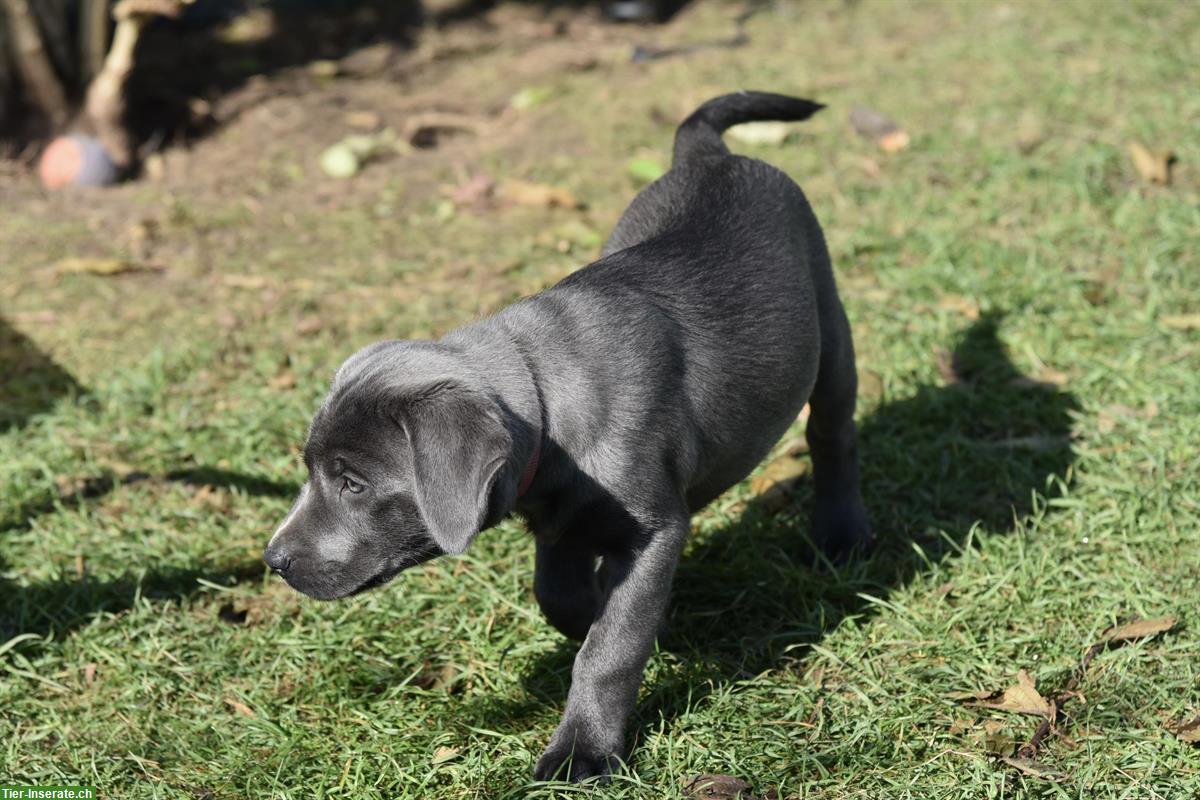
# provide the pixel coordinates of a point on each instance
(530, 468)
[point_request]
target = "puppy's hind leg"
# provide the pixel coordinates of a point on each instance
(839, 518)
(566, 586)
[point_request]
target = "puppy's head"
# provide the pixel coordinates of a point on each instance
(408, 458)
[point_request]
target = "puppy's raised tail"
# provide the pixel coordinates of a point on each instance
(700, 134)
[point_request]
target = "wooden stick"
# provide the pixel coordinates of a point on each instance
(37, 73)
(93, 37)
(106, 96)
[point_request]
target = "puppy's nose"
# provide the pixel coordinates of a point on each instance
(277, 558)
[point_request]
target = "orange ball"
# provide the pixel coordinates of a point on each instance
(76, 160)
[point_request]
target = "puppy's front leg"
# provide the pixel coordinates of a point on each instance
(590, 740)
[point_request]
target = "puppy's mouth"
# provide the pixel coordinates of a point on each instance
(379, 580)
(331, 588)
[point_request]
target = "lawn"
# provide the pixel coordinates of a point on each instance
(1026, 309)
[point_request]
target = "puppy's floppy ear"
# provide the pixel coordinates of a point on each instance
(459, 446)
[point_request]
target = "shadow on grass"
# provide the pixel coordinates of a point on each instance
(936, 464)
(30, 381)
(184, 64)
(59, 606)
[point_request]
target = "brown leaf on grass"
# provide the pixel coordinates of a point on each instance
(996, 739)
(278, 600)
(38, 317)
(1022, 697)
(444, 754)
(1139, 629)
(871, 167)
(240, 707)
(794, 447)
(212, 499)
(966, 306)
(1028, 141)
(98, 266)
(363, 120)
(1188, 731)
(525, 193)
(440, 679)
(1033, 769)
(1052, 376)
(776, 483)
(717, 787)
(870, 385)
(309, 324)
(285, 379)
(245, 281)
(89, 673)
(1181, 322)
(960, 726)
(1047, 378)
(1152, 165)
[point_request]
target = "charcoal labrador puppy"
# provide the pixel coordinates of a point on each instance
(605, 410)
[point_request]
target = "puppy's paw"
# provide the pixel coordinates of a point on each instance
(576, 759)
(841, 529)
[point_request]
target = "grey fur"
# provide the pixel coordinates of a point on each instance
(650, 381)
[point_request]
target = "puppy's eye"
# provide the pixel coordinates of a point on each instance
(351, 485)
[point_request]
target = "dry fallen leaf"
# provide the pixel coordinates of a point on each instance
(96, 266)
(1139, 629)
(774, 485)
(1022, 697)
(1188, 731)
(996, 739)
(538, 194)
(39, 317)
(286, 379)
(870, 386)
(245, 281)
(1053, 376)
(444, 754)
(309, 324)
(1047, 378)
(794, 447)
(962, 305)
(961, 726)
(239, 707)
(1181, 322)
(363, 120)
(89, 673)
(1152, 165)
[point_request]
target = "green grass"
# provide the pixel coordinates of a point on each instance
(1049, 489)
